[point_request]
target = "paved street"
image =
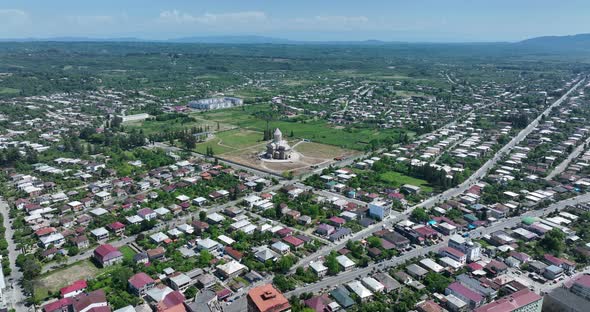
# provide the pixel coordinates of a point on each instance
(14, 295)
(563, 165)
(344, 277)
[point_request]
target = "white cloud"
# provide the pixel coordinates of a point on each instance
(175, 16)
(13, 17)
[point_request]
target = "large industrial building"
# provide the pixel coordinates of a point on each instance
(216, 103)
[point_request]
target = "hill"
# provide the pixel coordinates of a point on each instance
(573, 43)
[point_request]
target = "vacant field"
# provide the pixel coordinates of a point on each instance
(127, 252)
(310, 154)
(57, 279)
(405, 93)
(397, 179)
(8, 91)
(316, 150)
(232, 141)
(314, 130)
(154, 126)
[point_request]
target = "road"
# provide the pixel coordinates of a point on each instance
(481, 172)
(332, 281)
(448, 194)
(574, 154)
(14, 296)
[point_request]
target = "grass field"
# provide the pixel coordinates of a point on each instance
(230, 141)
(8, 91)
(310, 149)
(154, 126)
(53, 281)
(127, 252)
(405, 93)
(314, 130)
(397, 179)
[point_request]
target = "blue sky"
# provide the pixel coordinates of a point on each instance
(391, 20)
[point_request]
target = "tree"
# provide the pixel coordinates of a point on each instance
(31, 268)
(374, 242)
(202, 215)
(189, 141)
(553, 241)
(205, 258)
(120, 277)
(283, 283)
(284, 264)
(191, 292)
(332, 264)
(436, 282)
(420, 215)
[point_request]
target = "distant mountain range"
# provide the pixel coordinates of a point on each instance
(197, 39)
(578, 42)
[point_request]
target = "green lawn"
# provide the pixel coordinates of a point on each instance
(315, 130)
(153, 126)
(127, 252)
(8, 91)
(231, 140)
(398, 179)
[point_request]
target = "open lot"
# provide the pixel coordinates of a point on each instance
(128, 253)
(155, 126)
(310, 154)
(57, 279)
(8, 91)
(397, 179)
(232, 141)
(314, 130)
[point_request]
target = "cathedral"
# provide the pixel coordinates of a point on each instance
(278, 148)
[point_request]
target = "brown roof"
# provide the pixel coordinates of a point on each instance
(268, 299)
(233, 253)
(83, 301)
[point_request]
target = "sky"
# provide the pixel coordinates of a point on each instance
(317, 20)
